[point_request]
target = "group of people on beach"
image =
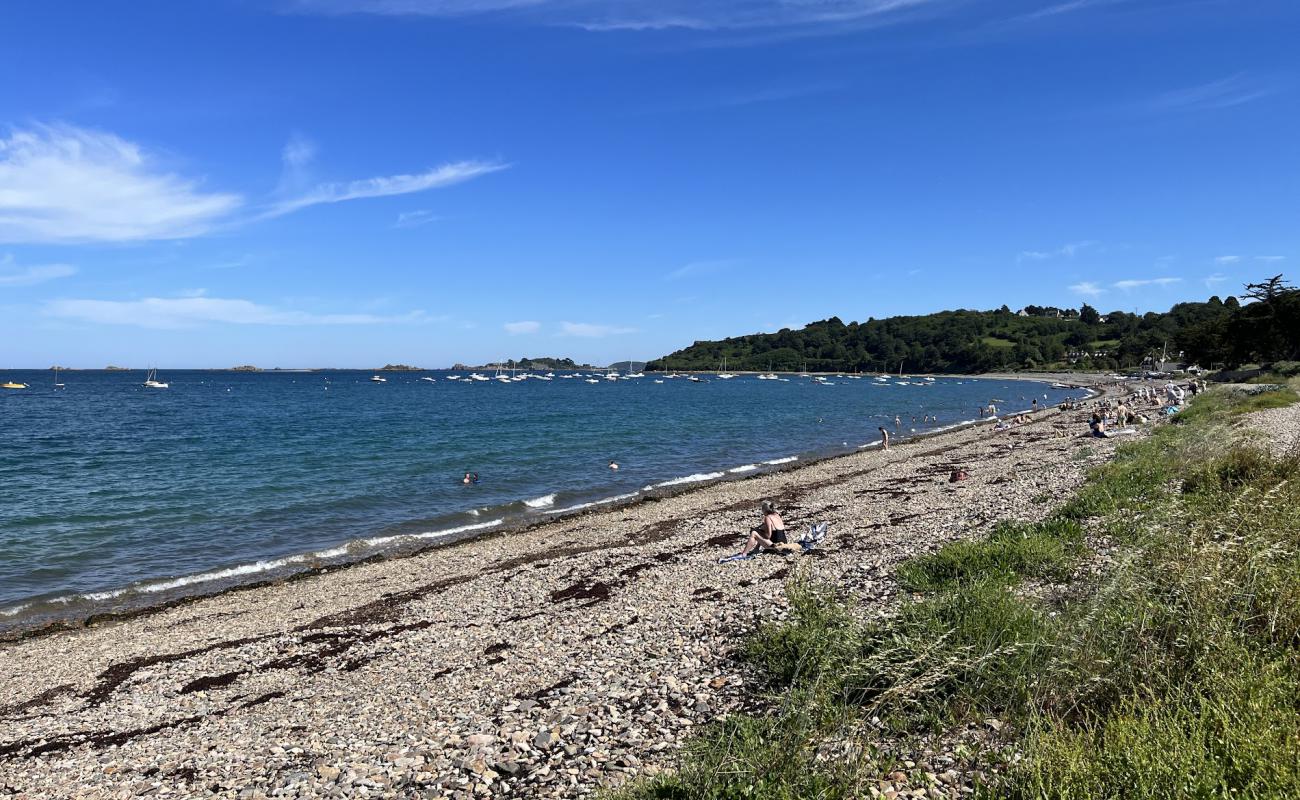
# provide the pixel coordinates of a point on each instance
(1135, 404)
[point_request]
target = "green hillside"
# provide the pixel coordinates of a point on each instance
(1212, 333)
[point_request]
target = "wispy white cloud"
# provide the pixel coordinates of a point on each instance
(1068, 7)
(62, 184)
(188, 312)
(592, 331)
(1227, 259)
(14, 274)
(1087, 289)
(697, 269)
(298, 152)
(1067, 250)
(523, 326)
(1228, 92)
(1213, 280)
(642, 15)
(1127, 285)
(414, 219)
(386, 186)
(1270, 259)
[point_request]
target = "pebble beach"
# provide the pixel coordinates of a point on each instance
(551, 662)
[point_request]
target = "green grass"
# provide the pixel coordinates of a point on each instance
(1230, 736)
(1045, 550)
(994, 341)
(1174, 675)
(1218, 404)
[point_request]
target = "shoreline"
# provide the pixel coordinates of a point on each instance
(118, 604)
(572, 655)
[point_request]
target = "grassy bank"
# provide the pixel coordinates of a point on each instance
(1142, 641)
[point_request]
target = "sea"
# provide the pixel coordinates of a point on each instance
(115, 496)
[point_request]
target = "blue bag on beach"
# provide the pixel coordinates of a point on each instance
(814, 536)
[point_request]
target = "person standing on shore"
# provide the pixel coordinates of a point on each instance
(884, 438)
(898, 423)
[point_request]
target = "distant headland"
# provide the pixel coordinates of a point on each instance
(528, 363)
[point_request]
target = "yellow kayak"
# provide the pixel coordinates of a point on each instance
(12, 385)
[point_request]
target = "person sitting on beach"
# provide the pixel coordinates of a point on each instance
(769, 534)
(470, 477)
(1097, 426)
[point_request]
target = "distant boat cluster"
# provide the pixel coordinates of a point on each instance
(595, 377)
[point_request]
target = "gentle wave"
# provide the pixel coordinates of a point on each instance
(187, 580)
(545, 501)
(615, 499)
(243, 569)
(785, 460)
(478, 526)
(743, 468)
(696, 478)
(333, 552)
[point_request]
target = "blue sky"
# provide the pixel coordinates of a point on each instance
(353, 182)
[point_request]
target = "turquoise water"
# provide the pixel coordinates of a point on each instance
(113, 495)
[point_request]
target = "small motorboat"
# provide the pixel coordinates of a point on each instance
(12, 385)
(427, 378)
(378, 379)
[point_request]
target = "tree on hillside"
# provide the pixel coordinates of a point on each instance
(1089, 315)
(1269, 328)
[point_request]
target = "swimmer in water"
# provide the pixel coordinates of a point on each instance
(470, 477)
(613, 465)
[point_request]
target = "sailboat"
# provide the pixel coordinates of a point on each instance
(724, 375)
(151, 381)
(57, 385)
